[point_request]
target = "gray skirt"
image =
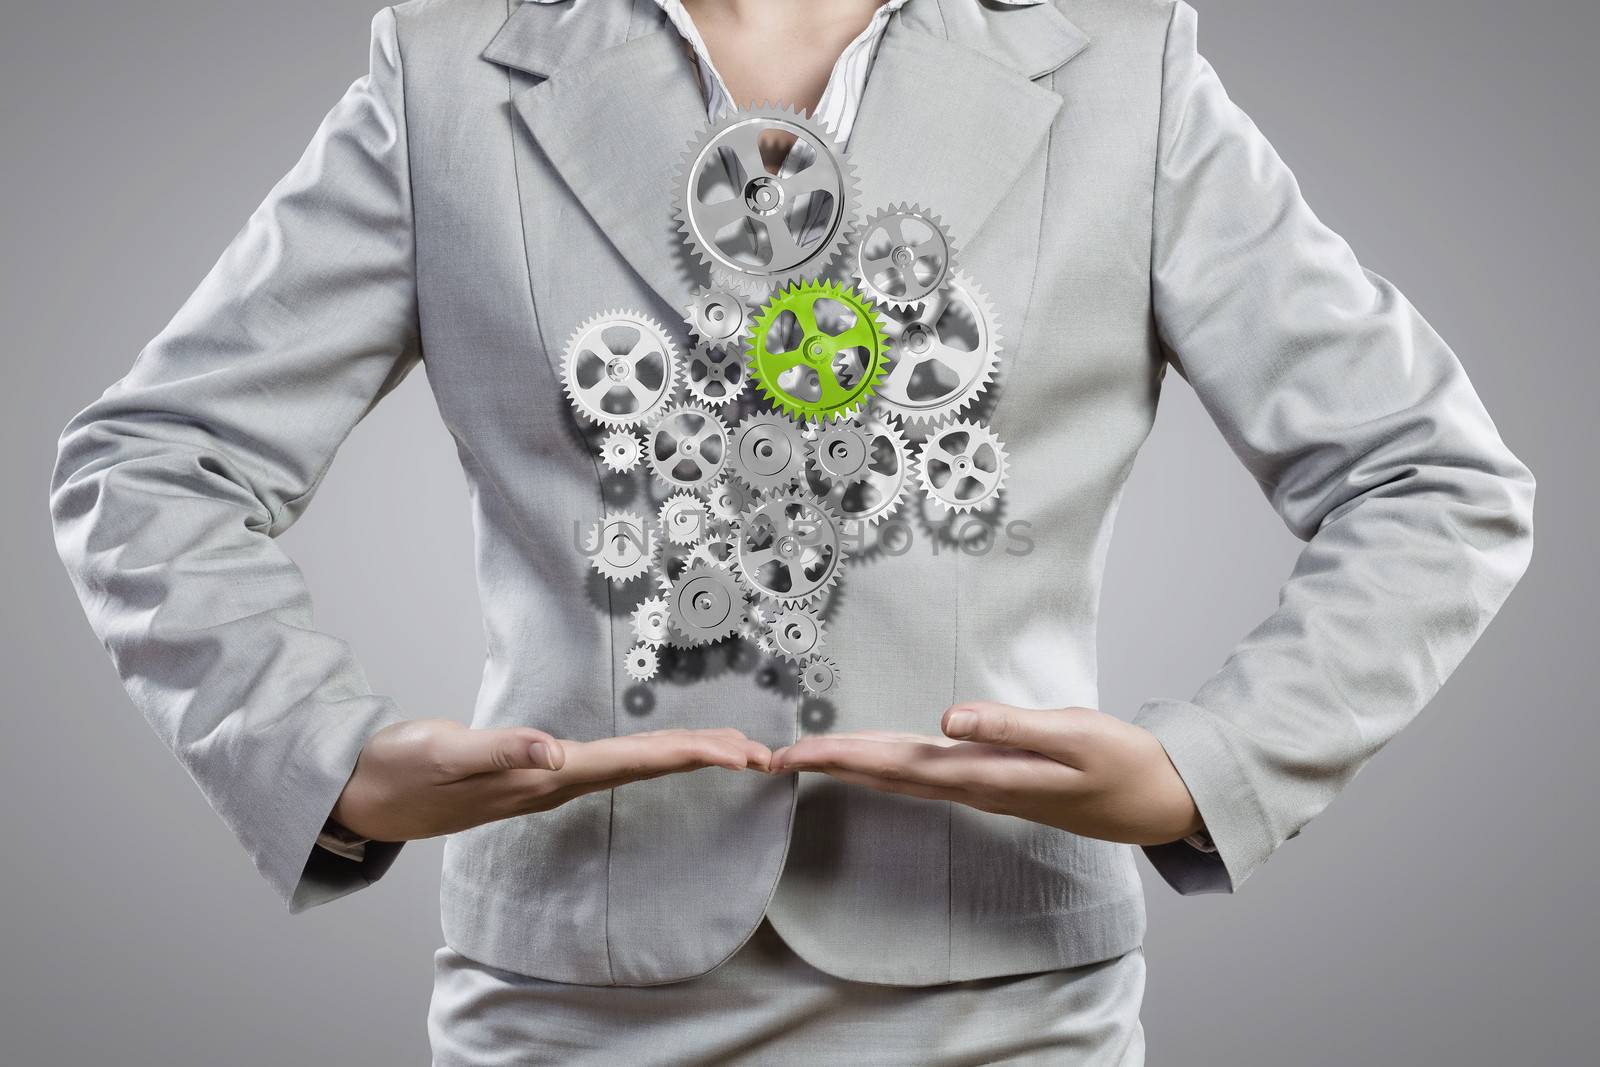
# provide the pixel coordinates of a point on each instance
(766, 1005)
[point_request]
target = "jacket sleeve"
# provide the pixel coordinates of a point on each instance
(1370, 443)
(170, 488)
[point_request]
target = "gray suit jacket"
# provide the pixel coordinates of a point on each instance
(501, 173)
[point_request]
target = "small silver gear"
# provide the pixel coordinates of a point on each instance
(841, 451)
(882, 488)
(796, 633)
(705, 605)
(728, 499)
(718, 317)
(715, 376)
(752, 227)
(621, 451)
(768, 451)
(902, 254)
(683, 519)
(820, 676)
(650, 621)
(790, 548)
(620, 368)
(620, 546)
(688, 447)
(642, 663)
(945, 352)
(962, 467)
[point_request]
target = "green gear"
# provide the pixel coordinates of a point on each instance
(816, 350)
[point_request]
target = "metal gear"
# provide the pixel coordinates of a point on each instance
(688, 447)
(962, 466)
(715, 551)
(790, 548)
(901, 255)
(621, 451)
(945, 352)
(882, 488)
(796, 634)
(818, 350)
(713, 375)
(642, 663)
(620, 546)
(650, 621)
(841, 452)
(670, 562)
(754, 228)
(769, 451)
(717, 316)
(683, 518)
(729, 498)
(820, 676)
(620, 368)
(705, 605)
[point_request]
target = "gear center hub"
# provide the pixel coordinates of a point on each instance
(763, 195)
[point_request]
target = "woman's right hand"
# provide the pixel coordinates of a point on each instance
(427, 777)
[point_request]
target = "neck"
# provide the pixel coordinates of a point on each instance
(783, 12)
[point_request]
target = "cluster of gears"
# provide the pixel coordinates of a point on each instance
(830, 368)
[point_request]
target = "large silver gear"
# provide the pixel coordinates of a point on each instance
(752, 227)
(620, 369)
(688, 447)
(683, 519)
(901, 255)
(790, 548)
(705, 605)
(621, 451)
(796, 633)
(945, 352)
(718, 317)
(768, 451)
(820, 676)
(650, 621)
(620, 546)
(642, 663)
(715, 376)
(840, 452)
(962, 467)
(882, 489)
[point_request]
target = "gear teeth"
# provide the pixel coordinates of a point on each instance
(706, 471)
(891, 397)
(947, 495)
(727, 271)
(683, 518)
(819, 676)
(642, 663)
(806, 295)
(916, 291)
(773, 508)
(595, 325)
(620, 546)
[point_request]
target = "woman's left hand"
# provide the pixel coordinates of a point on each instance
(1077, 769)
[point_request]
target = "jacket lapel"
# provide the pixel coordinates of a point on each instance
(615, 111)
(950, 117)
(951, 113)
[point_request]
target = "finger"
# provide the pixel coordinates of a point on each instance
(900, 788)
(462, 753)
(918, 761)
(1055, 732)
(634, 757)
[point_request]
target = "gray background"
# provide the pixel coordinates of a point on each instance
(1437, 914)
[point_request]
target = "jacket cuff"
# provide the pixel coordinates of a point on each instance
(1207, 759)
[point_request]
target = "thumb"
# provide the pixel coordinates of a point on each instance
(468, 752)
(1001, 724)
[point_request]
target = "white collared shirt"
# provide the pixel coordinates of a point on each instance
(841, 98)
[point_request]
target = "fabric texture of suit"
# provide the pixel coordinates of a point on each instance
(502, 172)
